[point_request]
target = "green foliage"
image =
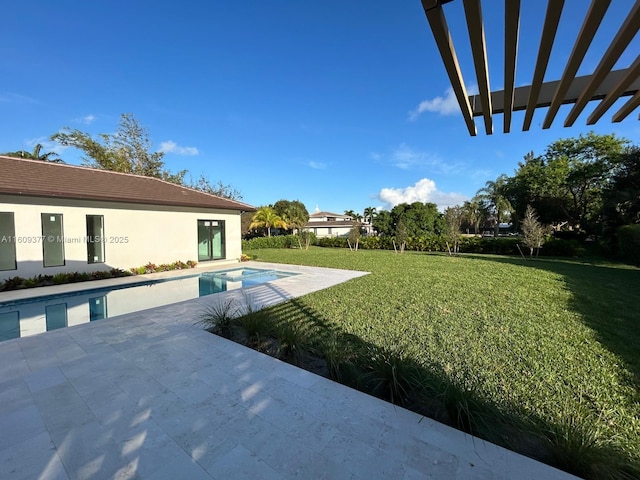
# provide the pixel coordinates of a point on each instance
(278, 241)
(36, 154)
(267, 218)
(498, 346)
(129, 150)
(629, 243)
(219, 317)
(126, 151)
(418, 218)
(567, 183)
(293, 213)
(219, 189)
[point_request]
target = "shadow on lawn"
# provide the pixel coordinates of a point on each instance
(606, 298)
(298, 334)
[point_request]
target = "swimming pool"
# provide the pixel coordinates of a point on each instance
(26, 317)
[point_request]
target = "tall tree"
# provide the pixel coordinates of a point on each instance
(294, 213)
(126, 151)
(369, 213)
(622, 194)
(266, 217)
(473, 214)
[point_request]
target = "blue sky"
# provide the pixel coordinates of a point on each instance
(341, 104)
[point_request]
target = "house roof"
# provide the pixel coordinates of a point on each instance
(327, 214)
(46, 179)
(604, 84)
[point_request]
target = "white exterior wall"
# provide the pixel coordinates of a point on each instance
(322, 232)
(133, 234)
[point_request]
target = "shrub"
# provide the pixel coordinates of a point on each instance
(558, 247)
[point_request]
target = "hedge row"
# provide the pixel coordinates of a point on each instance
(428, 243)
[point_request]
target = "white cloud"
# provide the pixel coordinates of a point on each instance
(407, 158)
(424, 191)
(172, 147)
(317, 165)
(446, 105)
(88, 119)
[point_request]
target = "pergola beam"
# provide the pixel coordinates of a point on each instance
(511, 33)
(627, 108)
(590, 26)
(551, 20)
(618, 90)
(548, 89)
(438, 24)
(473, 12)
(618, 45)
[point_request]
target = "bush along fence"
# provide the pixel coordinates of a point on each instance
(428, 243)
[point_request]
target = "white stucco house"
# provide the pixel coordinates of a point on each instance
(61, 218)
(327, 224)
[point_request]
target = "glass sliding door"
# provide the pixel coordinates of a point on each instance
(95, 239)
(97, 308)
(211, 240)
(52, 240)
(7, 241)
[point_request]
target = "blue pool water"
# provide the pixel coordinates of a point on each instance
(31, 316)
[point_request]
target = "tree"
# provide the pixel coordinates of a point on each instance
(219, 189)
(353, 240)
(383, 223)
(296, 216)
(566, 185)
(493, 196)
(266, 217)
(126, 151)
(369, 213)
(532, 231)
(401, 236)
(453, 218)
(621, 197)
(473, 214)
(37, 154)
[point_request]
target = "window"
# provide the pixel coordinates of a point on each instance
(7, 242)
(95, 239)
(52, 240)
(211, 240)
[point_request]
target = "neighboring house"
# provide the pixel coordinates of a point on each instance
(327, 224)
(61, 218)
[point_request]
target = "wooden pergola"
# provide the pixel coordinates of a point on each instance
(604, 84)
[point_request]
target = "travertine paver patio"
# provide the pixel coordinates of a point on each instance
(151, 395)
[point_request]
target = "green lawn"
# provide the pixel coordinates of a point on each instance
(542, 356)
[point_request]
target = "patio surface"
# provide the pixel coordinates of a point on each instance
(151, 395)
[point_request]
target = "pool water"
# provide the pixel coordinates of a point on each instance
(41, 314)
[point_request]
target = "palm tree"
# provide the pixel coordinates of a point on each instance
(492, 194)
(473, 213)
(266, 217)
(369, 213)
(36, 155)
